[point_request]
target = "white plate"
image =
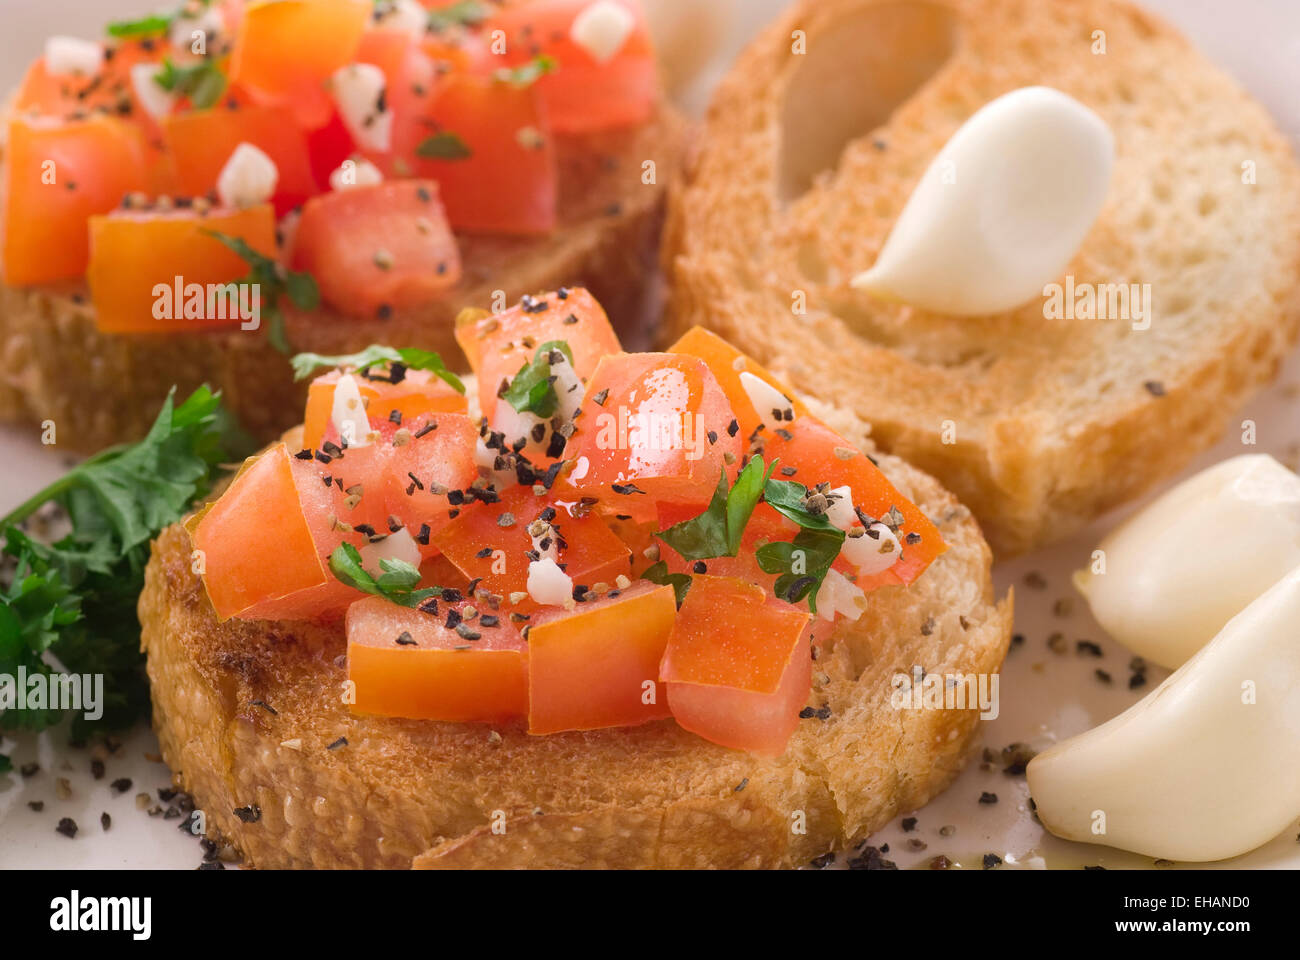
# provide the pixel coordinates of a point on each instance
(1044, 696)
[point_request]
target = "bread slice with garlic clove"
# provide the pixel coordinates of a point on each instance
(1037, 423)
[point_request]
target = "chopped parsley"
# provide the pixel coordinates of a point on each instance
(396, 583)
(410, 358)
(525, 75)
(464, 13)
(444, 145)
(533, 389)
(273, 281)
(203, 83)
(717, 531)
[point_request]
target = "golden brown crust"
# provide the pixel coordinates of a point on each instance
(405, 791)
(1054, 421)
(101, 389)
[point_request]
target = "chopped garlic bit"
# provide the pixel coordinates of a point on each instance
(404, 15)
(771, 405)
(349, 413)
(355, 172)
(837, 595)
(548, 584)
(872, 550)
(359, 91)
(155, 101)
(396, 546)
(601, 29)
(248, 178)
(72, 55)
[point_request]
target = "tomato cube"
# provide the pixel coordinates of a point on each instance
(418, 391)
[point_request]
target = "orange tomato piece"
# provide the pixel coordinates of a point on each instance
(497, 345)
(57, 176)
(812, 449)
(591, 553)
(377, 248)
(407, 663)
(201, 141)
(425, 469)
(727, 363)
(149, 272)
(738, 665)
(661, 428)
(419, 391)
(255, 542)
(285, 51)
(507, 181)
(596, 666)
(583, 94)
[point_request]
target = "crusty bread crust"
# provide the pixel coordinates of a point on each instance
(1050, 421)
(404, 791)
(101, 389)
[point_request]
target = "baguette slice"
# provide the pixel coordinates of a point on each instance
(1048, 421)
(101, 389)
(404, 791)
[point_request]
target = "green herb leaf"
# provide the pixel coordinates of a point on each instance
(787, 497)
(444, 145)
(717, 531)
(396, 582)
(680, 582)
(76, 599)
(466, 13)
(526, 74)
(305, 364)
(272, 282)
(202, 82)
(143, 27)
(532, 390)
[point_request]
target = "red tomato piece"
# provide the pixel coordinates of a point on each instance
(497, 345)
(150, 272)
(591, 553)
(583, 94)
(485, 142)
(201, 141)
(57, 176)
(597, 666)
(285, 51)
(407, 663)
(662, 428)
(426, 468)
(812, 450)
(738, 665)
(419, 391)
(383, 246)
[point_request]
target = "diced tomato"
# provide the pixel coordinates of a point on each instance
(150, 272)
(582, 94)
(406, 663)
(662, 427)
(591, 553)
(110, 89)
(497, 345)
(819, 454)
(57, 176)
(383, 246)
(410, 74)
(255, 542)
(427, 467)
(419, 391)
(285, 51)
(498, 169)
(201, 141)
(727, 363)
(327, 148)
(738, 665)
(598, 665)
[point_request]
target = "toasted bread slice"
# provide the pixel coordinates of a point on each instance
(251, 717)
(1037, 424)
(101, 388)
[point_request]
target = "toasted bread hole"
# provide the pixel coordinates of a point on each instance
(857, 70)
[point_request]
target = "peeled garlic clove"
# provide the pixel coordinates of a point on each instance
(1207, 766)
(1002, 210)
(1176, 572)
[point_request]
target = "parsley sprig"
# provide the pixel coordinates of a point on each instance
(465, 13)
(305, 364)
(532, 389)
(444, 145)
(202, 82)
(396, 582)
(75, 600)
(272, 282)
